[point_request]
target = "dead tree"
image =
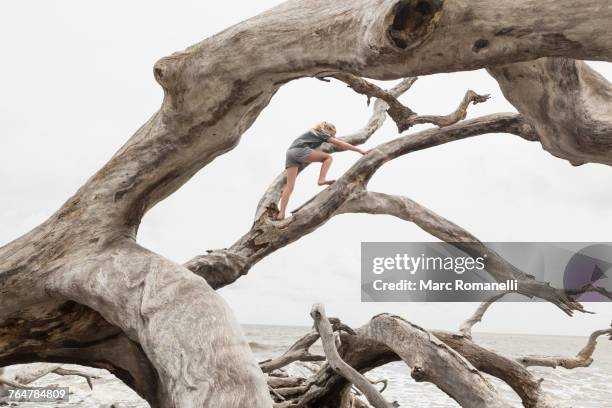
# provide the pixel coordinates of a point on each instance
(450, 360)
(431, 355)
(80, 289)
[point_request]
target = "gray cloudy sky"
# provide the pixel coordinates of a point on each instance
(76, 81)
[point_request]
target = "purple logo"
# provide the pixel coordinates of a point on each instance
(589, 268)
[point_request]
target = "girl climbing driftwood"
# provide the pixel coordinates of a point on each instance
(304, 150)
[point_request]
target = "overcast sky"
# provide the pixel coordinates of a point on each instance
(76, 81)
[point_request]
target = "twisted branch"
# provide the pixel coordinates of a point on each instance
(222, 267)
(584, 358)
(299, 351)
(403, 116)
(466, 327)
(408, 210)
(361, 136)
(325, 330)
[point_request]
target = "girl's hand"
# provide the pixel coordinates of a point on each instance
(364, 153)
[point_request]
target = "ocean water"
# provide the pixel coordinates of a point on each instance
(579, 388)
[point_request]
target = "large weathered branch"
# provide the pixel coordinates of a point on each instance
(497, 266)
(326, 387)
(399, 113)
(568, 102)
(147, 361)
(222, 267)
(299, 351)
(361, 136)
(432, 361)
(458, 114)
(206, 110)
(86, 254)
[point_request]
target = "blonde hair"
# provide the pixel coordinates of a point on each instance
(326, 127)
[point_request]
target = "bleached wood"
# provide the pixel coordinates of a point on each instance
(326, 333)
(403, 116)
(584, 358)
(567, 102)
(466, 327)
(80, 278)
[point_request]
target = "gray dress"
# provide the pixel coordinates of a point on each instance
(303, 146)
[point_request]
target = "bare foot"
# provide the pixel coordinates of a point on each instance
(326, 182)
(280, 217)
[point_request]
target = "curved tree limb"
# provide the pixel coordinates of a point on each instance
(326, 332)
(496, 265)
(590, 288)
(299, 351)
(466, 327)
(433, 361)
(86, 254)
(584, 358)
(377, 119)
(386, 338)
(72, 333)
(359, 137)
(568, 103)
(526, 386)
(363, 354)
(143, 362)
(460, 113)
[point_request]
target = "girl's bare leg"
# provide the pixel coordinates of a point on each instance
(292, 173)
(326, 160)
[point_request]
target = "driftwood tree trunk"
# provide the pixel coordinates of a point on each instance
(78, 288)
(567, 101)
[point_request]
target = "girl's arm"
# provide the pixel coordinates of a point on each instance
(345, 146)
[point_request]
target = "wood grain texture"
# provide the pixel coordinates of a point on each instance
(82, 268)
